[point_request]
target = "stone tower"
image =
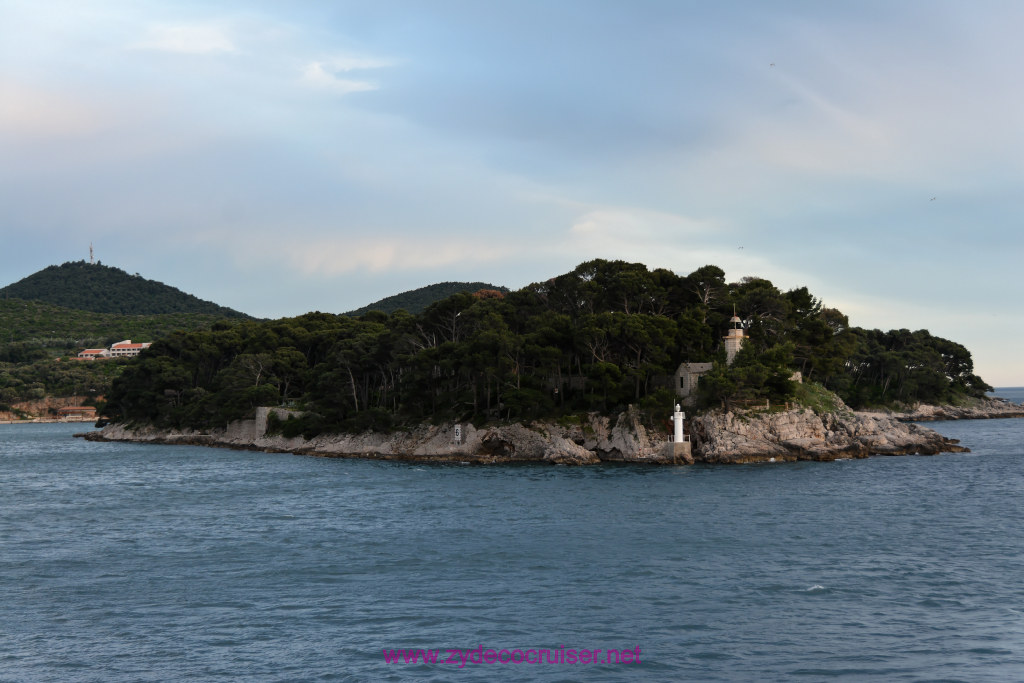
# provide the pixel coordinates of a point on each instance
(734, 338)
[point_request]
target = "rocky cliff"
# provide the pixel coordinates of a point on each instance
(718, 437)
(591, 441)
(802, 434)
(976, 409)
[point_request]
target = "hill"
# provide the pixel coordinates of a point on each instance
(104, 289)
(417, 300)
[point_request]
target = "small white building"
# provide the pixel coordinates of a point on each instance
(126, 349)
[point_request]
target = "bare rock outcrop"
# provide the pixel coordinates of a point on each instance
(719, 437)
(627, 441)
(802, 434)
(562, 451)
(593, 441)
(976, 409)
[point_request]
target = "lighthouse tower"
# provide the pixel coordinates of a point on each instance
(734, 338)
(677, 450)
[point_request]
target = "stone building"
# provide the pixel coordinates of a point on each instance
(688, 374)
(734, 338)
(686, 378)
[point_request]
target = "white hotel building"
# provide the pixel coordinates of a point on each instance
(122, 349)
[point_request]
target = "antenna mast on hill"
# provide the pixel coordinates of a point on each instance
(91, 261)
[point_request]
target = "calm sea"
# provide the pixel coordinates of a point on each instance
(153, 563)
(1015, 394)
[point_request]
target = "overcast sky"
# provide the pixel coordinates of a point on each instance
(283, 157)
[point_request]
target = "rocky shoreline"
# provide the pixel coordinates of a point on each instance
(802, 434)
(977, 409)
(48, 420)
(716, 437)
(591, 442)
(45, 411)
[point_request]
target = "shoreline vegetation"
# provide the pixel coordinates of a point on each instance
(720, 437)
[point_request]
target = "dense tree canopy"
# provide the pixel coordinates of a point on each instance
(35, 336)
(605, 335)
(21, 382)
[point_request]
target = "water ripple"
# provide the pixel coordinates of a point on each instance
(128, 563)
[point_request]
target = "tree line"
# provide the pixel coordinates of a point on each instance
(601, 337)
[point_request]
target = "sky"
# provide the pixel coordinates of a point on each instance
(286, 157)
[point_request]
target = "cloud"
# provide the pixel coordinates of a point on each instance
(635, 229)
(192, 39)
(333, 257)
(328, 74)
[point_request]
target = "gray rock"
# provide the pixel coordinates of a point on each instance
(718, 437)
(802, 434)
(562, 451)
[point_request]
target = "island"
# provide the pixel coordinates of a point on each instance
(584, 368)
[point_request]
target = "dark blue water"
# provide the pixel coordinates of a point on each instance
(151, 563)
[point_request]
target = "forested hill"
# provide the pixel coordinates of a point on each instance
(104, 289)
(36, 330)
(36, 335)
(607, 335)
(417, 300)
